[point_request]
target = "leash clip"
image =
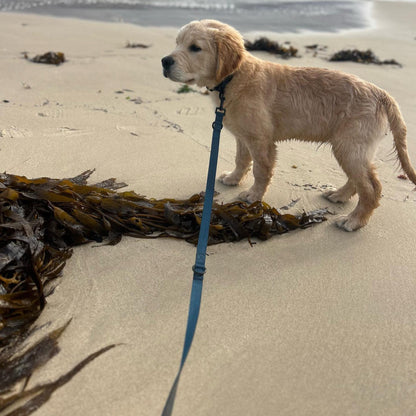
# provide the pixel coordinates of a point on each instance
(199, 271)
(221, 108)
(217, 124)
(221, 88)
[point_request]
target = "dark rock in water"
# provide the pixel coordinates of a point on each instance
(265, 44)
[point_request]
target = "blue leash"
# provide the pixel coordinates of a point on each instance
(199, 267)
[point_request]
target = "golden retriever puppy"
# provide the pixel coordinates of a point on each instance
(268, 102)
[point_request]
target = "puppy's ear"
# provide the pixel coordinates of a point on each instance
(230, 51)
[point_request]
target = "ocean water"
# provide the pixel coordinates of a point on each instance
(247, 15)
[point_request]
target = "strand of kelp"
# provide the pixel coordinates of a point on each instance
(16, 368)
(42, 219)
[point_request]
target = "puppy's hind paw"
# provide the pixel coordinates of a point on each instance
(227, 178)
(334, 197)
(249, 196)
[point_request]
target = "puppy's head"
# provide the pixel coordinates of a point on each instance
(206, 52)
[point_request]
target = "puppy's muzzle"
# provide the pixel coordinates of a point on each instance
(167, 63)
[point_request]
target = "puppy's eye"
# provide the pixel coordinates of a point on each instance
(194, 48)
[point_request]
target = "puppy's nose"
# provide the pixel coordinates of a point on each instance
(167, 62)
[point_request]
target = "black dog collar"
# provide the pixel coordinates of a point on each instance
(221, 86)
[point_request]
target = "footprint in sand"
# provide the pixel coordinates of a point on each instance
(53, 113)
(14, 132)
(68, 131)
(189, 111)
(169, 124)
(129, 129)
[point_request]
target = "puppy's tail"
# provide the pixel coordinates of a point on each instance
(399, 130)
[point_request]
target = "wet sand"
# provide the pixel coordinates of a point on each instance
(316, 322)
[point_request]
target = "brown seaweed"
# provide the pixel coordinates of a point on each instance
(17, 369)
(362, 57)
(51, 58)
(42, 219)
(265, 44)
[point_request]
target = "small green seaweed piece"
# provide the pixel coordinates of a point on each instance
(184, 89)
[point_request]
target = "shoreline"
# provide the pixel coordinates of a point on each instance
(326, 17)
(332, 313)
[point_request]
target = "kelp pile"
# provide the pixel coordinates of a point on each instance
(267, 45)
(42, 219)
(362, 57)
(51, 58)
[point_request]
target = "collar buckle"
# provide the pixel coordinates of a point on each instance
(221, 89)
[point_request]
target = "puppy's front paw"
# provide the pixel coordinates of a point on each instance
(349, 223)
(250, 196)
(228, 178)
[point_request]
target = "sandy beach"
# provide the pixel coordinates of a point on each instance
(313, 323)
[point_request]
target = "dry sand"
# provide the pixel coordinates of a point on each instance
(317, 322)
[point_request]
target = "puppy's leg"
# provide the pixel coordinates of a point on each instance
(242, 166)
(361, 174)
(264, 159)
(342, 194)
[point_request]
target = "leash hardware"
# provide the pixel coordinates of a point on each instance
(222, 99)
(220, 113)
(217, 125)
(199, 271)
